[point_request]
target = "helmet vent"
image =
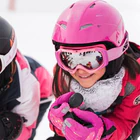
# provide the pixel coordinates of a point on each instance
(92, 5)
(72, 5)
(85, 26)
(63, 26)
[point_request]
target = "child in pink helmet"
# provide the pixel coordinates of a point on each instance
(96, 60)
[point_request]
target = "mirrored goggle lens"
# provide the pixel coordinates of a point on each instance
(88, 59)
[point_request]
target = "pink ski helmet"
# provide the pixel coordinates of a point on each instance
(89, 21)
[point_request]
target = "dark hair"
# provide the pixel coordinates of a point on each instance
(6, 77)
(59, 85)
(128, 61)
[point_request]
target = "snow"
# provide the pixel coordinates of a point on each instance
(33, 21)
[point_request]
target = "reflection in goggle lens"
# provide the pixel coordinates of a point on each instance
(89, 59)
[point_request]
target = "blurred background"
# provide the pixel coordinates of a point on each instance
(33, 21)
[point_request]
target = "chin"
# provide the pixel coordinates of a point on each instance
(87, 85)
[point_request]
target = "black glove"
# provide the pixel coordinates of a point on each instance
(10, 125)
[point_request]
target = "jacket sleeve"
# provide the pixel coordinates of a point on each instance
(29, 103)
(126, 115)
(26, 132)
(42, 75)
(45, 80)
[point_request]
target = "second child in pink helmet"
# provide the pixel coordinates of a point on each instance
(96, 59)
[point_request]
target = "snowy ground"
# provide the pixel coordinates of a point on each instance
(34, 20)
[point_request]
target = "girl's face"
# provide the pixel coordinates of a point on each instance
(87, 80)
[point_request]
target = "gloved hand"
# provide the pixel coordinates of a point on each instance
(58, 109)
(73, 130)
(10, 125)
(109, 128)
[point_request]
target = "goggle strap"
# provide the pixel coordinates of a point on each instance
(115, 53)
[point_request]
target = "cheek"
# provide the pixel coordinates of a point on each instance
(74, 76)
(100, 73)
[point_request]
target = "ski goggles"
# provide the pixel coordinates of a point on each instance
(7, 58)
(88, 58)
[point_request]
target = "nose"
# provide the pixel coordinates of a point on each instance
(81, 71)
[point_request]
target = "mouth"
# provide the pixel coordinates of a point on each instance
(85, 76)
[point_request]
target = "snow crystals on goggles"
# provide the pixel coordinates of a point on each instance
(88, 58)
